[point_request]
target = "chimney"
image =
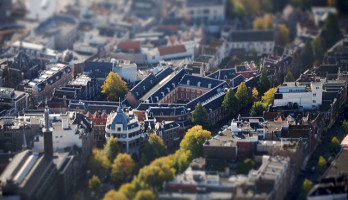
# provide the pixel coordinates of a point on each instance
(47, 133)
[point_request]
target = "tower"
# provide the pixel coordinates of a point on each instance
(47, 134)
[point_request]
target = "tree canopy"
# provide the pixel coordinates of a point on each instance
(154, 148)
(144, 195)
(306, 186)
(317, 46)
(94, 184)
(268, 96)
(289, 77)
(200, 116)
(331, 32)
(245, 166)
(321, 165)
(111, 148)
(263, 23)
(254, 95)
(230, 102)
(344, 126)
(242, 95)
(257, 109)
(335, 144)
(283, 35)
(181, 160)
(114, 87)
(194, 139)
(307, 56)
(112, 195)
(98, 162)
(264, 82)
(122, 167)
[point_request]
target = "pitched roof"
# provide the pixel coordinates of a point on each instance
(251, 36)
(223, 74)
(167, 50)
(129, 45)
(101, 68)
(194, 80)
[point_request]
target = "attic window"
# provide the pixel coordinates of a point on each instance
(209, 85)
(199, 84)
(144, 87)
(162, 93)
(188, 82)
(137, 93)
(151, 81)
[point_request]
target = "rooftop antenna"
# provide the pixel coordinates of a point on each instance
(119, 105)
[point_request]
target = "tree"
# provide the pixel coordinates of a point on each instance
(254, 95)
(111, 148)
(130, 189)
(289, 77)
(317, 46)
(283, 35)
(114, 87)
(200, 116)
(230, 102)
(257, 109)
(321, 165)
(335, 144)
(112, 195)
(307, 54)
(253, 52)
(235, 60)
(194, 139)
(245, 166)
(122, 167)
(144, 195)
(266, 5)
(159, 171)
(98, 162)
(268, 96)
(331, 3)
(264, 23)
(252, 7)
(306, 186)
(239, 10)
(331, 32)
(242, 95)
(181, 160)
(154, 148)
(94, 184)
(344, 126)
(264, 82)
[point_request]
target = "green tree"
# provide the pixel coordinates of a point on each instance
(122, 167)
(307, 56)
(181, 160)
(264, 82)
(194, 139)
(306, 186)
(321, 165)
(266, 5)
(344, 126)
(331, 32)
(335, 144)
(114, 87)
(242, 95)
(230, 102)
(245, 166)
(112, 195)
(289, 77)
(239, 10)
(254, 95)
(253, 52)
(111, 148)
(268, 96)
(200, 116)
(154, 148)
(94, 184)
(317, 46)
(144, 195)
(283, 35)
(257, 109)
(98, 162)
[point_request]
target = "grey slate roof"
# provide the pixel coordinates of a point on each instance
(223, 74)
(204, 81)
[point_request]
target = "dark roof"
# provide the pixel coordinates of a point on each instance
(195, 3)
(144, 86)
(97, 69)
(144, 106)
(204, 81)
(251, 35)
(253, 81)
(166, 111)
(164, 88)
(164, 73)
(22, 60)
(223, 74)
(327, 68)
(68, 94)
(83, 121)
(167, 50)
(92, 108)
(237, 80)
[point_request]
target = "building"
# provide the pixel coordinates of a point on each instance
(321, 13)
(126, 128)
(291, 93)
(169, 132)
(125, 69)
(12, 99)
(262, 41)
(99, 122)
(205, 11)
(34, 50)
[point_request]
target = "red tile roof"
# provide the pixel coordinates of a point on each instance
(167, 50)
(129, 46)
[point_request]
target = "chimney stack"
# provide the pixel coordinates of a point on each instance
(47, 134)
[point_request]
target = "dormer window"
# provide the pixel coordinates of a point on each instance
(209, 85)
(168, 89)
(188, 82)
(173, 85)
(151, 81)
(157, 98)
(144, 87)
(199, 84)
(137, 93)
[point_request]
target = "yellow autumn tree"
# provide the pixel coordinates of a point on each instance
(122, 167)
(283, 35)
(263, 23)
(114, 87)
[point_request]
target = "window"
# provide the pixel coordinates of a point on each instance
(314, 94)
(119, 129)
(187, 95)
(317, 88)
(314, 101)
